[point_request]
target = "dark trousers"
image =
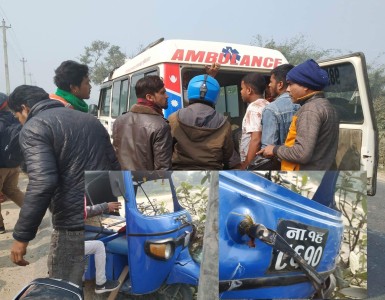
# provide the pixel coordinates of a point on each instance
(9, 178)
(66, 256)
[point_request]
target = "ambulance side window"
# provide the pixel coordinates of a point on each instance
(105, 102)
(134, 79)
(343, 93)
(115, 99)
(228, 101)
(232, 100)
(119, 98)
(123, 97)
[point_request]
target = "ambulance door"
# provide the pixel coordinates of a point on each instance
(349, 92)
(174, 87)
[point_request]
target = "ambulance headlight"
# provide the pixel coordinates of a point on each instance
(162, 250)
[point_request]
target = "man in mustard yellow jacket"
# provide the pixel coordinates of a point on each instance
(312, 140)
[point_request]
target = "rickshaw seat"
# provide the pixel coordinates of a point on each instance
(118, 246)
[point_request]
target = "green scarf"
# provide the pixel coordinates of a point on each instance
(78, 104)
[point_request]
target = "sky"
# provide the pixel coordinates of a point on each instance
(47, 32)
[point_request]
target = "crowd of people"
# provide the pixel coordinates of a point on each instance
(294, 128)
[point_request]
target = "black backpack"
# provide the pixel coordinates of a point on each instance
(10, 152)
(50, 289)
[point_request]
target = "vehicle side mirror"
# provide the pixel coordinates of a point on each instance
(93, 109)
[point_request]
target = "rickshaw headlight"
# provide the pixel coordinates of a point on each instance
(159, 250)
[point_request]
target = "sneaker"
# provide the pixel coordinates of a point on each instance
(108, 286)
(2, 229)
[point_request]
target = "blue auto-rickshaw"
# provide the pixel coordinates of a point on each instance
(154, 247)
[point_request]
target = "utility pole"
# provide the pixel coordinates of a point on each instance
(23, 60)
(6, 57)
(30, 78)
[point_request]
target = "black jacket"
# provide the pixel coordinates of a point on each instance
(7, 120)
(58, 145)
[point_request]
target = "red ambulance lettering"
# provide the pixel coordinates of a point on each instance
(233, 60)
(256, 61)
(245, 61)
(193, 56)
(277, 62)
(268, 62)
(224, 58)
(211, 57)
(178, 55)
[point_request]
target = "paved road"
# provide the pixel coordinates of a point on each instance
(376, 242)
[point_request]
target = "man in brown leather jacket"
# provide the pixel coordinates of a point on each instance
(142, 137)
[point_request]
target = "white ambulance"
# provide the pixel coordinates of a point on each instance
(176, 61)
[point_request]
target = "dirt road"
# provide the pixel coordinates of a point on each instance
(12, 277)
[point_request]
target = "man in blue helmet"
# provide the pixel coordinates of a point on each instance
(201, 136)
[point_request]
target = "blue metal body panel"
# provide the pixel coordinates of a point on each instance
(147, 274)
(247, 194)
(185, 270)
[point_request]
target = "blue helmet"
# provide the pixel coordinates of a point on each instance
(204, 88)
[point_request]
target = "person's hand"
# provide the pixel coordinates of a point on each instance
(114, 206)
(267, 151)
(243, 165)
(18, 250)
(213, 69)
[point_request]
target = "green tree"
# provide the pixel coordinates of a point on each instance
(295, 49)
(102, 58)
(376, 74)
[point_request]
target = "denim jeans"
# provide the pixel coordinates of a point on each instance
(66, 255)
(276, 120)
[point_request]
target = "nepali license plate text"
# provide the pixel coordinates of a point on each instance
(308, 241)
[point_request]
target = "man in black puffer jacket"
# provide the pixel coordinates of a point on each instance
(58, 145)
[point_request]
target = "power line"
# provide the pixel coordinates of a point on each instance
(12, 36)
(23, 60)
(30, 78)
(14, 47)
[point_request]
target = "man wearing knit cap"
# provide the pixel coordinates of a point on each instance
(312, 141)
